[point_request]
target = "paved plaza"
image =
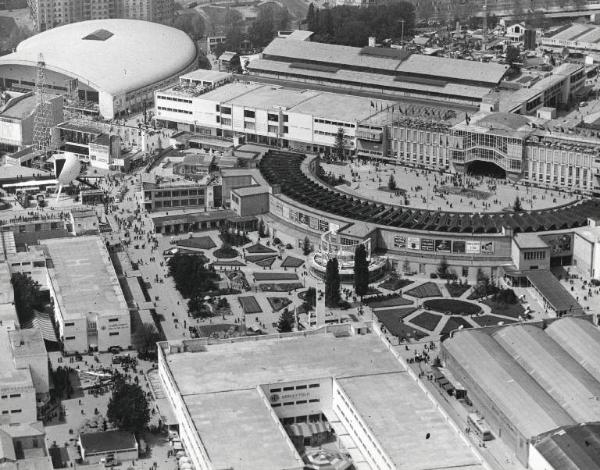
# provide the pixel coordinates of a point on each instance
(425, 189)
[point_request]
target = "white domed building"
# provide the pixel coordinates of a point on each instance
(114, 64)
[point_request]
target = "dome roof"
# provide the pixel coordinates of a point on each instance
(115, 55)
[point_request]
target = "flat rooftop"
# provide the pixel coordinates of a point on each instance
(268, 97)
(230, 91)
(400, 416)
(206, 75)
(244, 365)
(250, 416)
(27, 342)
(10, 376)
(84, 278)
(345, 108)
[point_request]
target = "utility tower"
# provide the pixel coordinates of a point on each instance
(42, 121)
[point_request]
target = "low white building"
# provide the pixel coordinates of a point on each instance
(89, 305)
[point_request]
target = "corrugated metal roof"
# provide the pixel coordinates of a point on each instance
(415, 64)
(572, 448)
(514, 392)
(581, 339)
(553, 369)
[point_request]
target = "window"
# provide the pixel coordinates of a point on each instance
(285, 118)
(69, 338)
(249, 114)
(70, 323)
(113, 319)
(15, 411)
(314, 400)
(218, 108)
(15, 395)
(287, 389)
(300, 402)
(276, 405)
(314, 385)
(275, 390)
(288, 403)
(300, 387)
(225, 110)
(272, 117)
(113, 333)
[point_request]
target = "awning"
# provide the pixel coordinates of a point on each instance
(42, 321)
(368, 146)
(308, 429)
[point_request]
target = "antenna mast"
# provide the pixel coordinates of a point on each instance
(42, 122)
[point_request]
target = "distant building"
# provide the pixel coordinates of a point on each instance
(586, 250)
(23, 447)
(17, 113)
(98, 445)
(577, 37)
(48, 14)
(515, 32)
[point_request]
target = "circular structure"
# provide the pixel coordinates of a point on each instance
(334, 246)
(116, 62)
(452, 306)
(283, 170)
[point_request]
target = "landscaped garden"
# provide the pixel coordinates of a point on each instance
(271, 276)
(259, 248)
(226, 251)
(238, 280)
(198, 243)
(491, 320)
(426, 320)
(452, 306)
(393, 322)
(280, 287)
(390, 301)
(429, 289)
(249, 304)
(506, 309)
(453, 323)
(456, 289)
(278, 303)
(395, 283)
(292, 262)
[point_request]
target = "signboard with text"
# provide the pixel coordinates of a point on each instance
(473, 247)
(414, 243)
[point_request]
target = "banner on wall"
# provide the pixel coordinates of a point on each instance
(487, 248)
(473, 247)
(443, 246)
(458, 246)
(413, 243)
(427, 244)
(399, 242)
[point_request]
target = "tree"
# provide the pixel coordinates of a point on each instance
(513, 54)
(517, 207)
(147, 337)
(442, 269)
(332, 283)
(286, 322)
(339, 148)
(361, 270)
(128, 408)
(406, 266)
(310, 299)
(191, 276)
(28, 296)
(306, 246)
(310, 17)
(392, 183)
(197, 308)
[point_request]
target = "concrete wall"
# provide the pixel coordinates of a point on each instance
(17, 404)
(586, 256)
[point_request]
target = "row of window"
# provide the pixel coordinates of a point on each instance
(529, 255)
(334, 123)
(172, 98)
(182, 202)
(175, 193)
(12, 395)
(5, 412)
(174, 110)
(297, 402)
(297, 387)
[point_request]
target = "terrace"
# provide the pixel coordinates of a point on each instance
(284, 169)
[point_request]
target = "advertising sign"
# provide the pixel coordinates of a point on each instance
(400, 242)
(473, 247)
(487, 248)
(443, 246)
(458, 246)
(427, 244)
(302, 218)
(414, 243)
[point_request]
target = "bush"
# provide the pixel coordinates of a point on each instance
(433, 276)
(276, 241)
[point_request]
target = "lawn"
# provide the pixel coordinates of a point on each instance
(394, 324)
(229, 262)
(292, 262)
(395, 284)
(249, 304)
(280, 287)
(390, 302)
(260, 248)
(452, 306)
(508, 310)
(261, 257)
(198, 243)
(427, 320)
(401, 312)
(208, 330)
(271, 276)
(429, 289)
(491, 320)
(453, 323)
(265, 263)
(278, 303)
(456, 290)
(226, 252)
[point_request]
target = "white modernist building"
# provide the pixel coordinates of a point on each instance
(262, 403)
(112, 66)
(89, 306)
